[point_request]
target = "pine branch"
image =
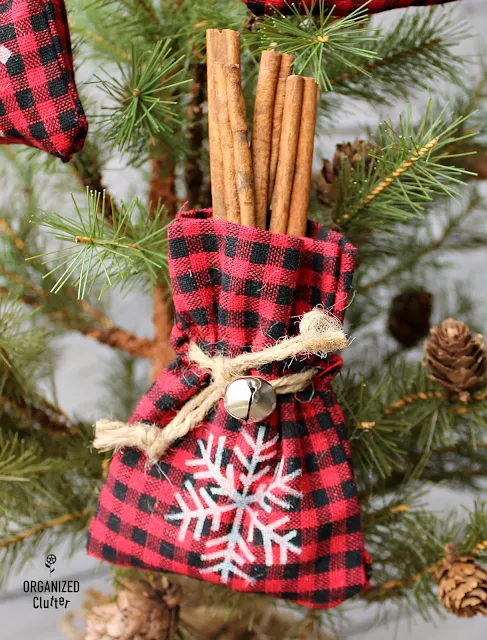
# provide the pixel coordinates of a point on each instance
(109, 335)
(8, 231)
(124, 385)
(50, 486)
(315, 36)
(95, 34)
(20, 245)
(389, 61)
(412, 166)
(21, 463)
(147, 8)
(123, 340)
(386, 182)
(162, 183)
(412, 52)
(379, 592)
(406, 571)
(143, 109)
(43, 527)
(421, 396)
(471, 152)
(391, 435)
(119, 21)
(86, 166)
(36, 297)
(413, 251)
(122, 254)
(24, 355)
(50, 418)
(424, 456)
(460, 478)
(383, 515)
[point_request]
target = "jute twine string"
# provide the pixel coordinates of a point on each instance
(319, 334)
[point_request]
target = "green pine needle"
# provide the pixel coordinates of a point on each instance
(316, 36)
(144, 109)
(414, 51)
(20, 462)
(93, 251)
(414, 164)
(24, 352)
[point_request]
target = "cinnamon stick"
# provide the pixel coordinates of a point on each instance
(270, 63)
(284, 71)
(288, 146)
(221, 46)
(231, 52)
(230, 194)
(213, 42)
(241, 149)
(298, 210)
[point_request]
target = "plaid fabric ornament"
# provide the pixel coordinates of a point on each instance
(342, 7)
(267, 507)
(39, 103)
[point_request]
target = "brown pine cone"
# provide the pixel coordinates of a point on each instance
(409, 317)
(138, 613)
(462, 586)
(347, 154)
(456, 358)
(252, 22)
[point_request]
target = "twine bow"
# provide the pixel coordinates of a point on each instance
(319, 334)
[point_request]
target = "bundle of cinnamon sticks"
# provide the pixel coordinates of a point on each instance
(265, 184)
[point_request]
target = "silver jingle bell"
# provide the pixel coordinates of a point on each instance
(250, 399)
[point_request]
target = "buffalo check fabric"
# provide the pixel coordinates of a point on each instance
(39, 103)
(342, 7)
(268, 507)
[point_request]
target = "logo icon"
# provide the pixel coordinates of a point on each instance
(50, 560)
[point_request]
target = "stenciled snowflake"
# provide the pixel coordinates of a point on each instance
(252, 500)
(5, 54)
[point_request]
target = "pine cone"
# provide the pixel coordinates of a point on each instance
(456, 358)
(252, 22)
(138, 613)
(409, 317)
(348, 153)
(462, 586)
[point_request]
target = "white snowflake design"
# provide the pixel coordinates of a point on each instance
(227, 554)
(5, 54)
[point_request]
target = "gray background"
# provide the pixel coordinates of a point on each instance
(81, 369)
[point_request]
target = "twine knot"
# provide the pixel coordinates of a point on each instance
(314, 326)
(319, 334)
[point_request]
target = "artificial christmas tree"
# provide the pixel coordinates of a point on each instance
(350, 459)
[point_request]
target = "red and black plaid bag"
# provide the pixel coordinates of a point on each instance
(268, 507)
(342, 7)
(39, 103)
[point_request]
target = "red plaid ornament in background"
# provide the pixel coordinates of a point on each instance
(342, 7)
(266, 507)
(39, 103)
